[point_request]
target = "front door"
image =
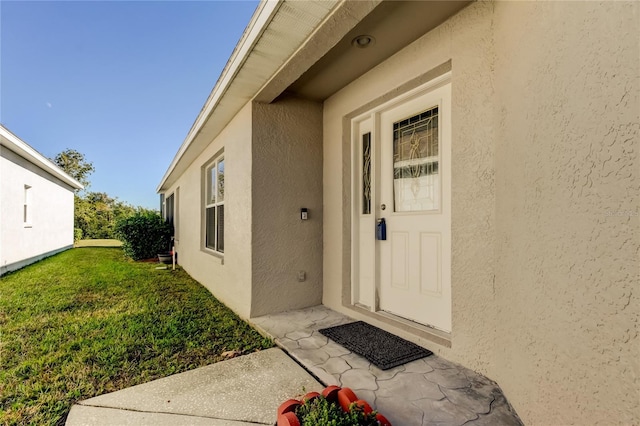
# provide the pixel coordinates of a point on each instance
(411, 191)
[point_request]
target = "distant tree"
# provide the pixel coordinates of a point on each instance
(96, 213)
(109, 210)
(75, 165)
(84, 216)
(102, 208)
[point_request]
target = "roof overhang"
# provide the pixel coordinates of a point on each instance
(18, 146)
(304, 47)
(388, 28)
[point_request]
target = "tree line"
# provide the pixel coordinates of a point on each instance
(95, 213)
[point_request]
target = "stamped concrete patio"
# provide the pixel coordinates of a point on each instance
(429, 391)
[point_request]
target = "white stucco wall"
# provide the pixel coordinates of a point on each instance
(51, 227)
(287, 176)
(545, 142)
(228, 278)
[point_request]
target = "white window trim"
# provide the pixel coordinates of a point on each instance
(176, 216)
(167, 204)
(207, 204)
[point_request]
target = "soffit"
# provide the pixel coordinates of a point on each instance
(290, 26)
(304, 47)
(393, 24)
(277, 30)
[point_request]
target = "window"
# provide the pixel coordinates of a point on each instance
(26, 211)
(168, 210)
(416, 162)
(176, 215)
(214, 205)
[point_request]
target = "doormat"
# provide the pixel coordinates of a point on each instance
(382, 349)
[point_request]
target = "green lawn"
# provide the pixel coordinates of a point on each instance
(87, 321)
(98, 243)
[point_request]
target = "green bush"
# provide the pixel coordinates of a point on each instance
(77, 234)
(144, 235)
(319, 411)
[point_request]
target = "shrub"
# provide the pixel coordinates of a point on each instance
(320, 411)
(77, 234)
(144, 235)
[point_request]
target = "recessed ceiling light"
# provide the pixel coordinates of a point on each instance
(363, 41)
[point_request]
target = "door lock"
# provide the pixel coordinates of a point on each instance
(383, 206)
(381, 229)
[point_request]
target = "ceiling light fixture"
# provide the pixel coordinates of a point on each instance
(363, 41)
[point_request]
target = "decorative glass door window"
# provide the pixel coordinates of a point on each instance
(366, 173)
(214, 206)
(416, 182)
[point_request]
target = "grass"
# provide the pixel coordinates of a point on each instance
(87, 321)
(98, 243)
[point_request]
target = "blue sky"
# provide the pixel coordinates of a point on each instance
(120, 81)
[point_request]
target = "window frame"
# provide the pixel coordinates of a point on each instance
(213, 200)
(176, 214)
(169, 209)
(27, 211)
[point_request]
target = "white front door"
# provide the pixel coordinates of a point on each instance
(410, 271)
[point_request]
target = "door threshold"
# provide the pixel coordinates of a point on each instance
(419, 330)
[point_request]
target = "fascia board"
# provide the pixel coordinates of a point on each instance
(254, 30)
(326, 35)
(24, 150)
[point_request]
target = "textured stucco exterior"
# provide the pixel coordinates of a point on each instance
(568, 210)
(545, 200)
(287, 176)
(273, 168)
(50, 229)
(228, 277)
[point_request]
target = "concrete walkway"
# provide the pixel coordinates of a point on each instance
(429, 391)
(241, 391)
(247, 390)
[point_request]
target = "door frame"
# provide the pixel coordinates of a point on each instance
(372, 302)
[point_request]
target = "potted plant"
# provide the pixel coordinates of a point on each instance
(335, 405)
(165, 257)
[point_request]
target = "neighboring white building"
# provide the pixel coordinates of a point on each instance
(499, 141)
(36, 205)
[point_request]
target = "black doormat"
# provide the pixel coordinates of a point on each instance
(381, 348)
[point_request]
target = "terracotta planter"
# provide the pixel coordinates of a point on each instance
(331, 393)
(383, 420)
(288, 419)
(364, 405)
(334, 394)
(289, 405)
(345, 397)
(310, 396)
